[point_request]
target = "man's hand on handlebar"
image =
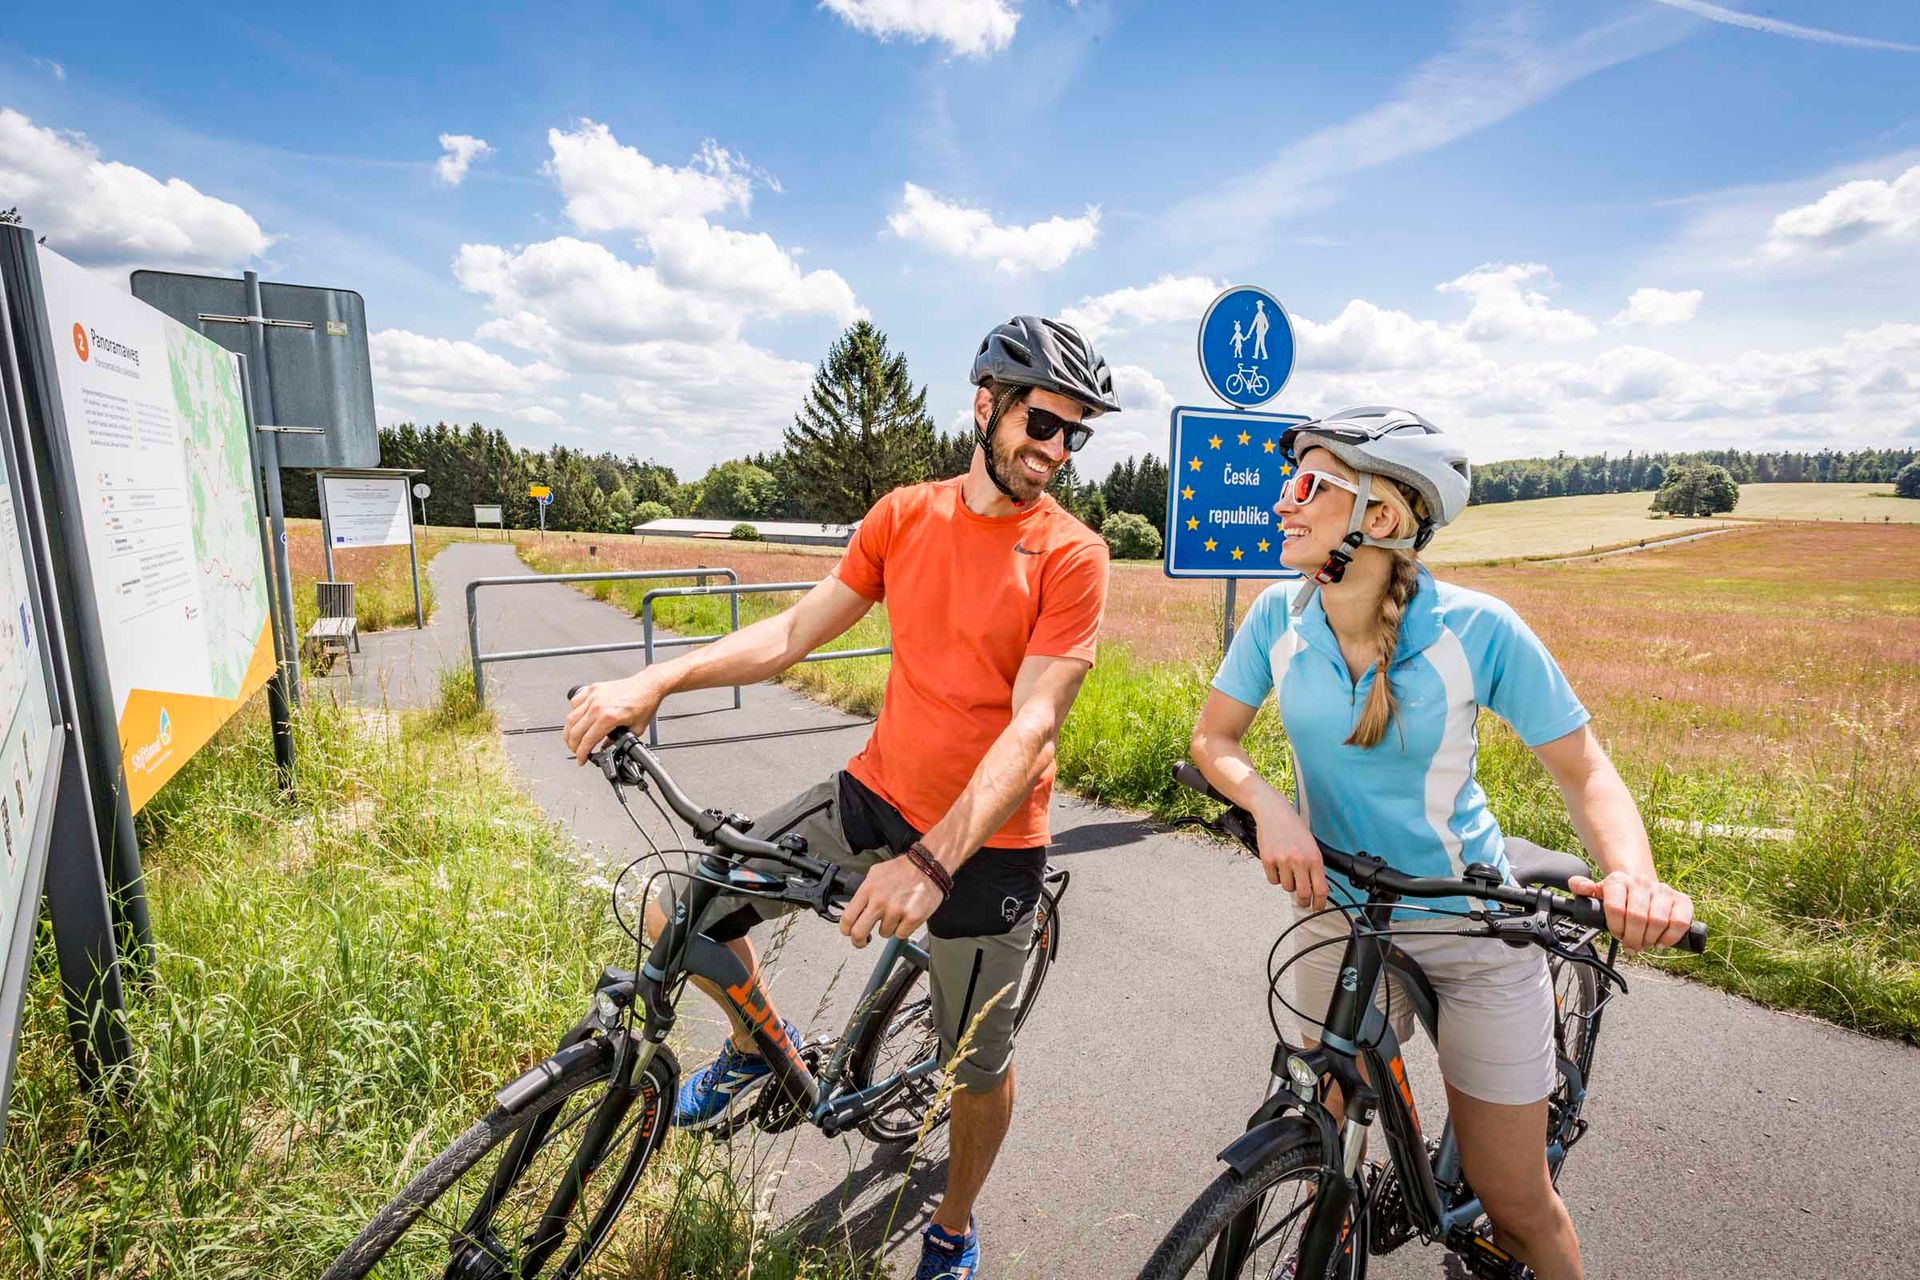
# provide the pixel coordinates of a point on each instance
(599, 709)
(1642, 912)
(895, 900)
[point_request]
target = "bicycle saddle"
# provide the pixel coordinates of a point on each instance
(1535, 865)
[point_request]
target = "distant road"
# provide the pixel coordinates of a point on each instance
(1729, 1142)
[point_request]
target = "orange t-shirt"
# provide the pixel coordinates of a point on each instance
(969, 597)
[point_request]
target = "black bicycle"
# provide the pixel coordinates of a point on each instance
(1296, 1192)
(580, 1127)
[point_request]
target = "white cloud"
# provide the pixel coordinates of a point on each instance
(1140, 392)
(53, 68)
(1774, 26)
(748, 269)
(460, 151)
(1651, 308)
(971, 28)
(106, 214)
(1848, 214)
(1168, 298)
(972, 233)
(1373, 338)
(1498, 67)
(439, 376)
(612, 187)
(1505, 308)
(676, 334)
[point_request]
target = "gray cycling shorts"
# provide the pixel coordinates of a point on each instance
(967, 975)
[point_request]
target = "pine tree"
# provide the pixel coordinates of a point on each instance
(863, 430)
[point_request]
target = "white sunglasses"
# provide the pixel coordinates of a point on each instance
(1303, 486)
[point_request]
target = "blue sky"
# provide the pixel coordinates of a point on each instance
(1608, 225)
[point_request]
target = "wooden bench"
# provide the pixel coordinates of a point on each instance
(337, 630)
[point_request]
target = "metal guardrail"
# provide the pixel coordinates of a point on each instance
(479, 659)
(733, 591)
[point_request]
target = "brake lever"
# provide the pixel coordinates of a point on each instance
(1535, 928)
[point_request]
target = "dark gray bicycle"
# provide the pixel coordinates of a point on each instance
(1295, 1193)
(579, 1127)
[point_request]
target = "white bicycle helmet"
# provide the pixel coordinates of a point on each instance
(1396, 443)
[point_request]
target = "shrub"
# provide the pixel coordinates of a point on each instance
(648, 512)
(1907, 483)
(1696, 489)
(744, 532)
(1131, 537)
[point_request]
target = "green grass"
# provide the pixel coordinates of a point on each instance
(341, 981)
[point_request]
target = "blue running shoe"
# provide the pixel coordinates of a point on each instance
(945, 1256)
(720, 1090)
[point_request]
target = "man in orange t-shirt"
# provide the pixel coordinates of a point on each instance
(994, 594)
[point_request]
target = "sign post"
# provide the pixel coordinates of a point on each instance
(423, 491)
(543, 495)
(368, 508)
(1226, 467)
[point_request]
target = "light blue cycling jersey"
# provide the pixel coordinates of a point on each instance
(1413, 799)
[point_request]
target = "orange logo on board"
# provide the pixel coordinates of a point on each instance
(80, 340)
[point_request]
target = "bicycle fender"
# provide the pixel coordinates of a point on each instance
(1247, 1150)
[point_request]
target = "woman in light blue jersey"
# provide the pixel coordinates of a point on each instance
(1380, 673)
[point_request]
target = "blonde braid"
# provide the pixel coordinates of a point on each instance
(1379, 711)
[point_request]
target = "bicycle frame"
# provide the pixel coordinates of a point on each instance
(680, 953)
(1439, 1203)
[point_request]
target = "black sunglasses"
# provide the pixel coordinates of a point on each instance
(1042, 425)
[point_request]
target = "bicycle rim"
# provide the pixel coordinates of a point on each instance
(565, 1167)
(1249, 1227)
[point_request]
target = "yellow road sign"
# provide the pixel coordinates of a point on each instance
(538, 491)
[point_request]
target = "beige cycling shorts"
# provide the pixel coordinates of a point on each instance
(1496, 1004)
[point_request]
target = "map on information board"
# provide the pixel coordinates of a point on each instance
(158, 433)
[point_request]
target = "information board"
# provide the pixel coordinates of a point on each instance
(1227, 471)
(29, 740)
(365, 511)
(158, 434)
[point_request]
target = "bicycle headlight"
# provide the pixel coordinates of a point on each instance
(1306, 1081)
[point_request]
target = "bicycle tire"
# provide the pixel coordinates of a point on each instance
(906, 1013)
(1296, 1158)
(632, 1146)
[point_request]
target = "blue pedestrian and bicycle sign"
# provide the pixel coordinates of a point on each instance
(1246, 346)
(1227, 470)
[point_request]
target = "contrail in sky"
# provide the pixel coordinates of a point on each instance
(1773, 26)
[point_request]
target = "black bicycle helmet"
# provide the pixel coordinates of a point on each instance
(1033, 351)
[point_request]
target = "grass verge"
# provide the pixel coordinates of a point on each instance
(341, 981)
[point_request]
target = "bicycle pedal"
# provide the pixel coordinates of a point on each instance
(1486, 1260)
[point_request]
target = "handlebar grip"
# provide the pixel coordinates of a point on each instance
(1593, 915)
(1189, 776)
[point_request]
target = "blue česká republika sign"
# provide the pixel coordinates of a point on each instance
(1227, 472)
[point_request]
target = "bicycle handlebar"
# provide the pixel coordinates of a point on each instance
(1370, 873)
(715, 828)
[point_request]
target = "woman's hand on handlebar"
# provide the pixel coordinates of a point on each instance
(1290, 855)
(598, 709)
(1642, 912)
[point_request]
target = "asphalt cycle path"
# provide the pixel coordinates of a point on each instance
(1728, 1140)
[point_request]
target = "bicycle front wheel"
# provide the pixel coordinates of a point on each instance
(569, 1159)
(1250, 1226)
